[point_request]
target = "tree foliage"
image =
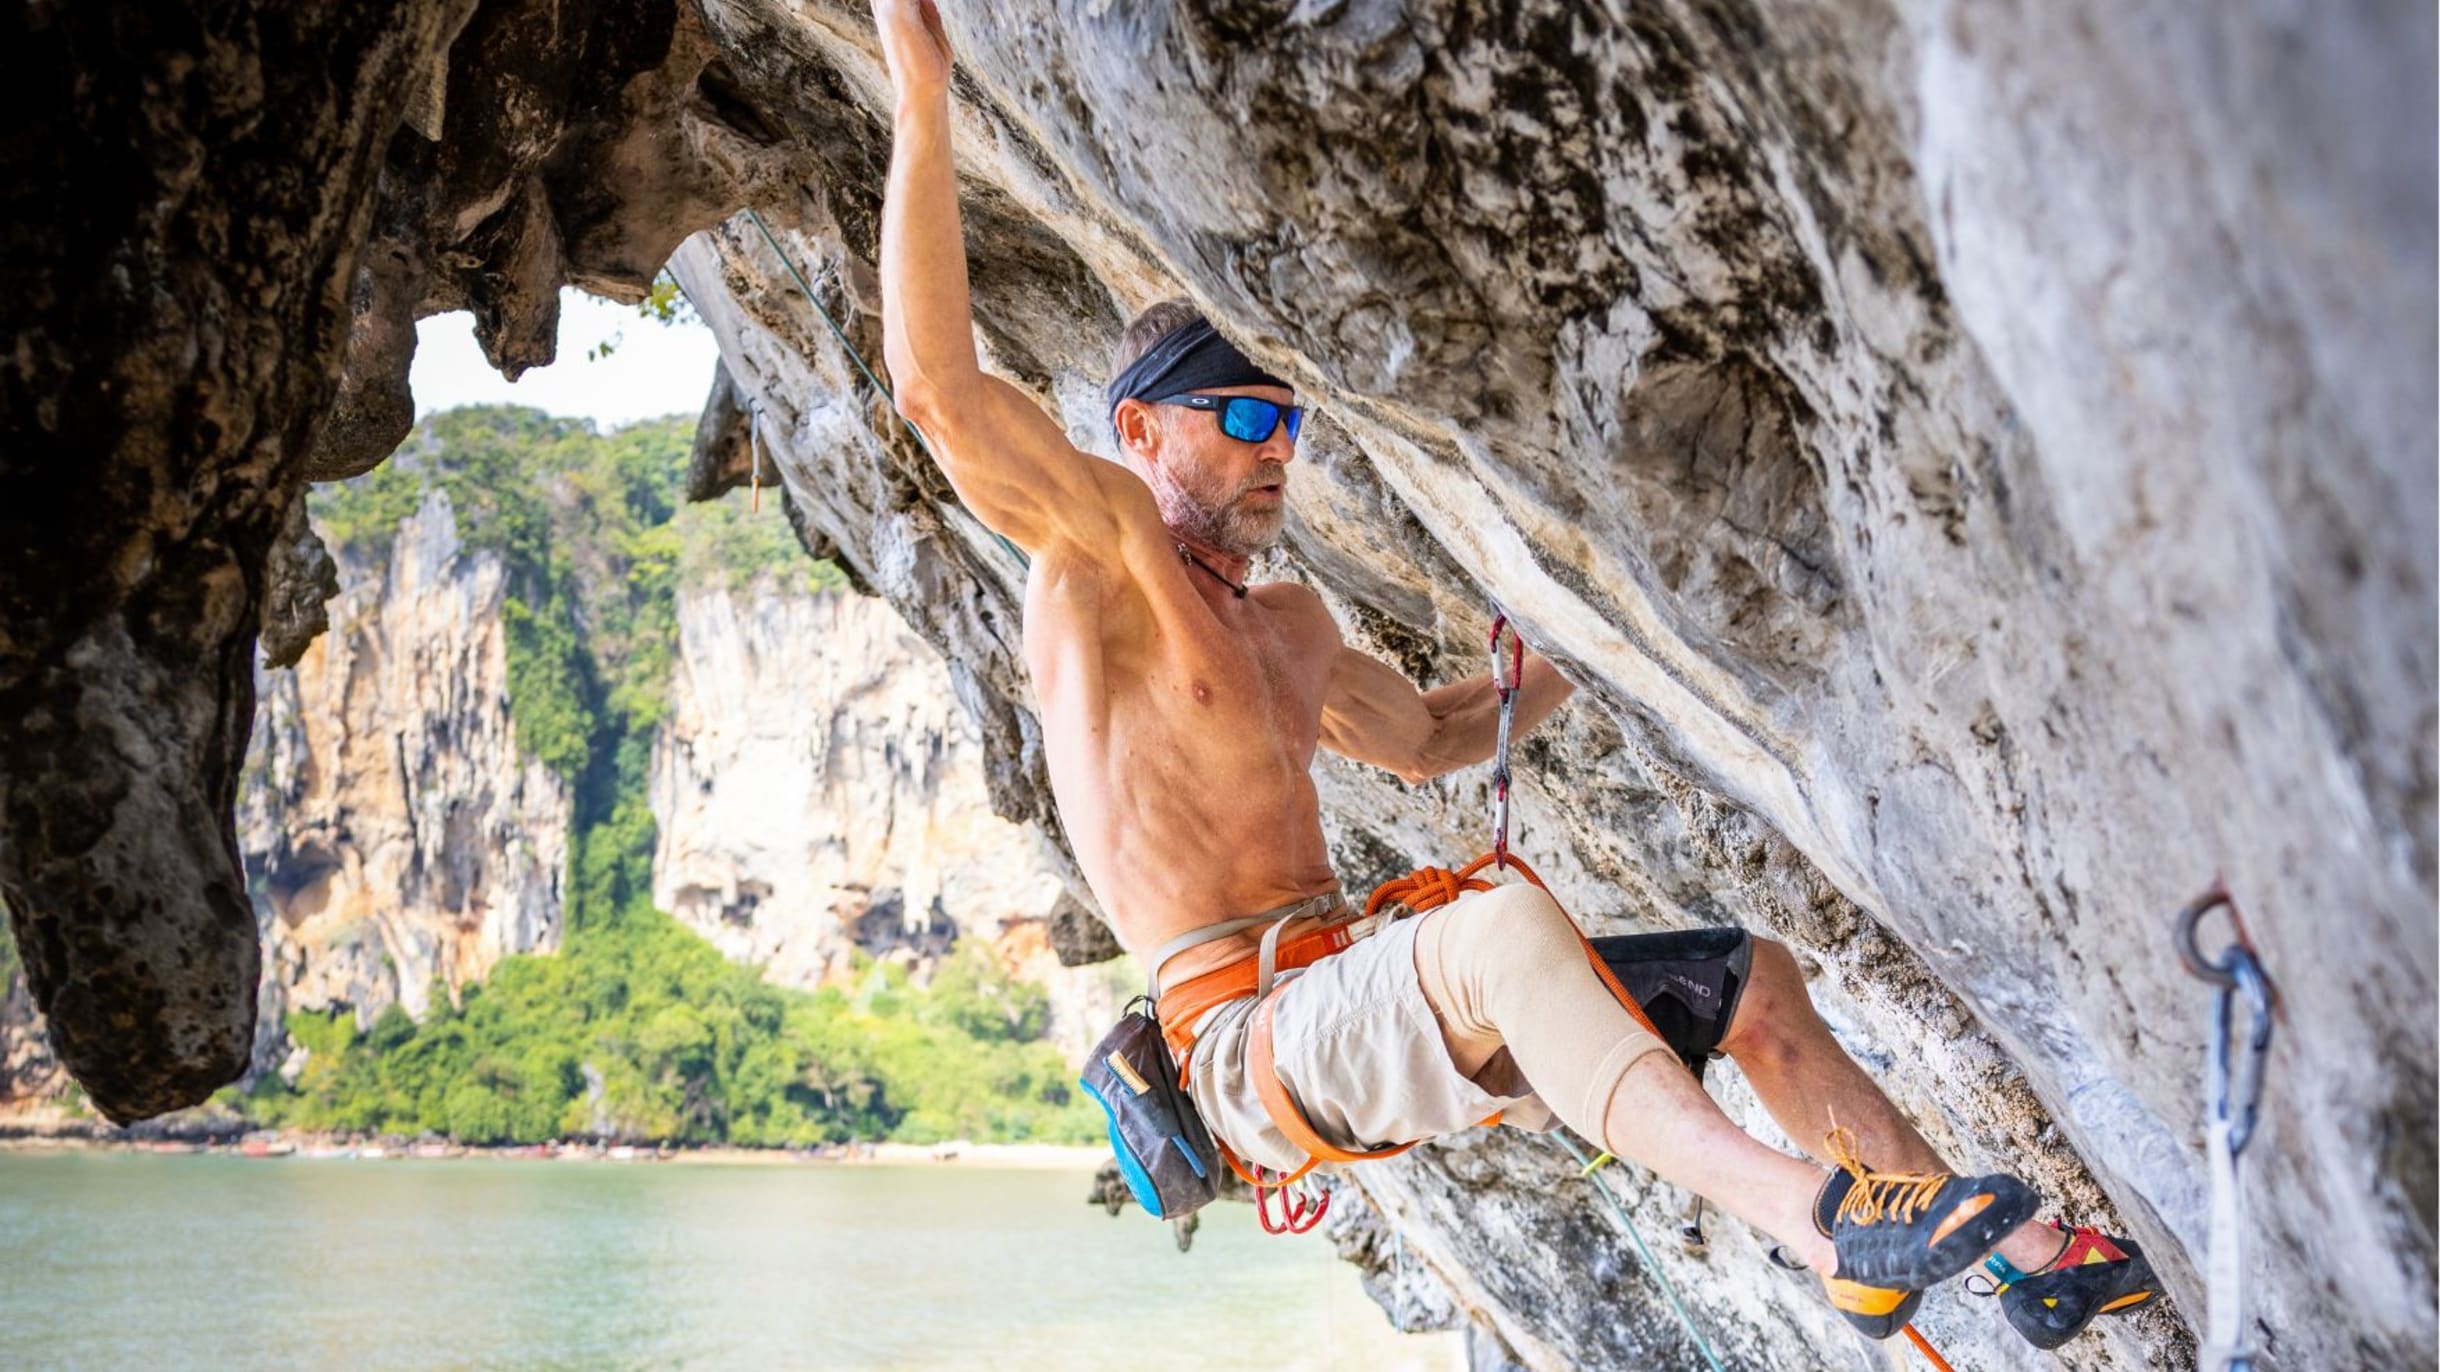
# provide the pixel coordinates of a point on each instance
(640, 1030)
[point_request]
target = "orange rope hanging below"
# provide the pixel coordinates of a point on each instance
(1924, 1346)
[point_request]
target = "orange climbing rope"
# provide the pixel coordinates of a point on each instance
(1924, 1346)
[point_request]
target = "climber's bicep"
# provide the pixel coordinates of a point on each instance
(1373, 714)
(1015, 470)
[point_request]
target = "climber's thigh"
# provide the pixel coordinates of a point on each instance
(1512, 936)
(1358, 1049)
(1471, 1041)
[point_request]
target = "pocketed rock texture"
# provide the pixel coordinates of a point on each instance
(1977, 462)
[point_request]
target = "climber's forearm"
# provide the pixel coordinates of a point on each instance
(1372, 713)
(1466, 714)
(926, 316)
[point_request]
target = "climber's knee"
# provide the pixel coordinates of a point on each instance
(1507, 968)
(1505, 941)
(1773, 1001)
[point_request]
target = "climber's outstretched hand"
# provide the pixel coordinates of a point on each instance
(914, 44)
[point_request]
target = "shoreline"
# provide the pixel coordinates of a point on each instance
(282, 1145)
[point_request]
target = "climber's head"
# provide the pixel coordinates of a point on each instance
(1211, 433)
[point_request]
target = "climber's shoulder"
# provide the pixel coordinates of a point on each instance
(1300, 610)
(1015, 469)
(1094, 552)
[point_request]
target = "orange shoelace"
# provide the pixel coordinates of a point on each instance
(1878, 1195)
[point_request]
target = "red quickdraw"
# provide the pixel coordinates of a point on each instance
(1298, 1211)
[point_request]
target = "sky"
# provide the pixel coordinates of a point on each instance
(655, 369)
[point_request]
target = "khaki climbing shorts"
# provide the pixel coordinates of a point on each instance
(1359, 1050)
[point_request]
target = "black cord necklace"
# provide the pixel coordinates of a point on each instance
(1189, 555)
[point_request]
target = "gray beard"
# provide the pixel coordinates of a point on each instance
(1234, 530)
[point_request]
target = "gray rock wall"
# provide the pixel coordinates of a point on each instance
(1959, 454)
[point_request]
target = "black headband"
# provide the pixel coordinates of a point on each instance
(1192, 358)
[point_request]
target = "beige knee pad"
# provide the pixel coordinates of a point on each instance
(1507, 966)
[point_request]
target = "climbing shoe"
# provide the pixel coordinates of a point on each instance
(1897, 1233)
(1879, 1311)
(2094, 1275)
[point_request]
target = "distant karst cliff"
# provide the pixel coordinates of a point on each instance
(398, 842)
(816, 790)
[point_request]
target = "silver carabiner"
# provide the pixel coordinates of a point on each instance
(2232, 1099)
(2238, 1066)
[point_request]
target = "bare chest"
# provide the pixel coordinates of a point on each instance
(1156, 676)
(1253, 673)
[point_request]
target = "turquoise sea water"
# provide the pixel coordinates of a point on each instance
(112, 1260)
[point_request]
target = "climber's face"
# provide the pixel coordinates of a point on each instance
(1222, 490)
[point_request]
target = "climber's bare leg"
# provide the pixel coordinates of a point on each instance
(1513, 956)
(1662, 1119)
(1806, 1081)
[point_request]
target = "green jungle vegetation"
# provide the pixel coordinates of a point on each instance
(638, 1029)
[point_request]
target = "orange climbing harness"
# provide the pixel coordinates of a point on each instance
(1183, 1007)
(1425, 889)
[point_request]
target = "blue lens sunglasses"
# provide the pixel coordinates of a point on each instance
(1244, 418)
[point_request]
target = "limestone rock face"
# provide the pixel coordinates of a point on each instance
(398, 842)
(1963, 559)
(819, 789)
(186, 195)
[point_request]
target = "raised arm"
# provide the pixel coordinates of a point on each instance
(1375, 715)
(1011, 465)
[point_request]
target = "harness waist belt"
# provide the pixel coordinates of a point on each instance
(1180, 1007)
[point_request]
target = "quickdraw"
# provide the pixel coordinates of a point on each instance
(2232, 1102)
(1506, 685)
(1299, 1210)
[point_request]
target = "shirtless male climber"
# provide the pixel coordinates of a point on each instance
(1180, 712)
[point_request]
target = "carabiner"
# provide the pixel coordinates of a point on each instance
(1506, 685)
(1297, 1213)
